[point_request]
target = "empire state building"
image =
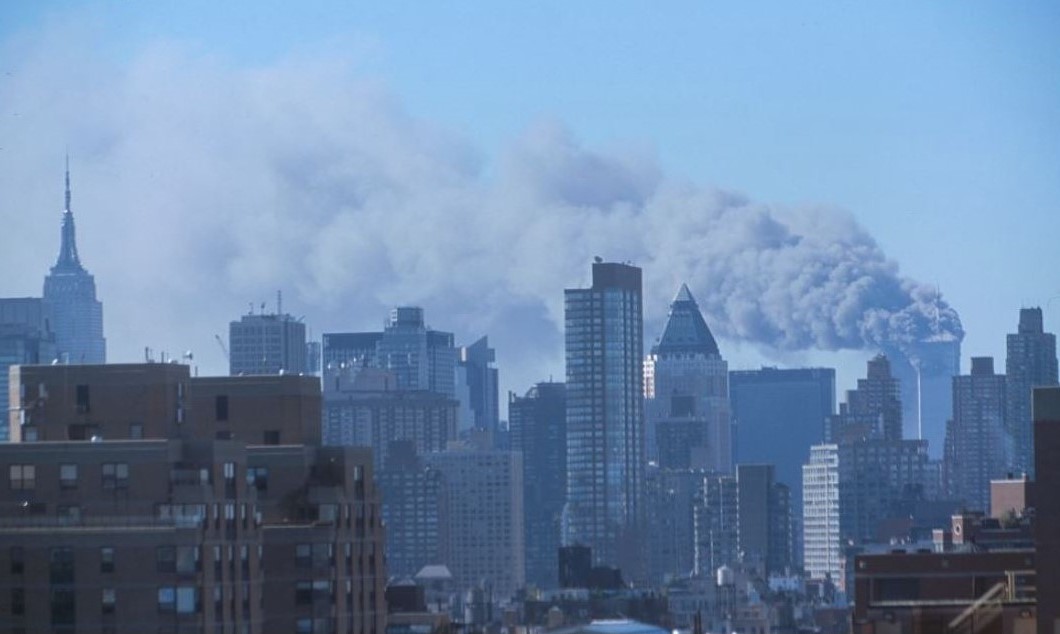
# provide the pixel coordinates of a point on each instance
(70, 295)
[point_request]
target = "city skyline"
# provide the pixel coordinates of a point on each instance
(181, 216)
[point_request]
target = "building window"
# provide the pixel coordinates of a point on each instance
(187, 600)
(258, 477)
(221, 407)
(29, 433)
(63, 607)
(303, 593)
(136, 431)
(18, 560)
(188, 561)
(166, 559)
(167, 599)
(115, 475)
(18, 601)
(68, 513)
(61, 568)
(23, 477)
(82, 399)
(303, 555)
(108, 600)
(68, 476)
(272, 437)
(106, 559)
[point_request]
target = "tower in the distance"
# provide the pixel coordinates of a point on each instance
(70, 295)
(1030, 362)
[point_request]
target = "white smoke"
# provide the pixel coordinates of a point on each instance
(200, 187)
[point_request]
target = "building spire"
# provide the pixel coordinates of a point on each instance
(67, 207)
(68, 261)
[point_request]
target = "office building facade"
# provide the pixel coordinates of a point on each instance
(266, 344)
(688, 420)
(778, 415)
(538, 424)
(25, 338)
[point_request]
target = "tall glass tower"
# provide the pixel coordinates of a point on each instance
(70, 295)
(605, 416)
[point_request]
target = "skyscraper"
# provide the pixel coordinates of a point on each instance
(1030, 362)
(420, 358)
(538, 423)
(981, 447)
(687, 391)
(779, 414)
(476, 375)
(873, 410)
(70, 296)
(605, 418)
(925, 371)
(266, 344)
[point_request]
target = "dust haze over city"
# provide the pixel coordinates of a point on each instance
(226, 175)
(829, 181)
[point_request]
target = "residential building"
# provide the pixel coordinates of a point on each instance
(538, 424)
(822, 545)
(165, 522)
(982, 448)
(605, 417)
(873, 410)
(415, 511)
(687, 393)
(70, 298)
(364, 407)
(716, 528)
(483, 489)
(1030, 362)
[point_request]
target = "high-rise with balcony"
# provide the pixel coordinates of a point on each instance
(70, 296)
(605, 418)
(1030, 363)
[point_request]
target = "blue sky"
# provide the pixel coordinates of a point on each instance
(936, 125)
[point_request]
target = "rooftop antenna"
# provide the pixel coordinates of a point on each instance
(279, 302)
(250, 311)
(67, 207)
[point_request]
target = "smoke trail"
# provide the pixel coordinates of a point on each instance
(225, 184)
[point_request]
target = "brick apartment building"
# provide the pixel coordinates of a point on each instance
(139, 499)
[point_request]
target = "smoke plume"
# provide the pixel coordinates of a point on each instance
(201, 187)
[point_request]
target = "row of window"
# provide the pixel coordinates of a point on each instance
(113, 475)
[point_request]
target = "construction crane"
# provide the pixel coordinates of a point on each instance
(224, 348)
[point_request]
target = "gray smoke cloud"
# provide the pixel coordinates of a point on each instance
(200, 187)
